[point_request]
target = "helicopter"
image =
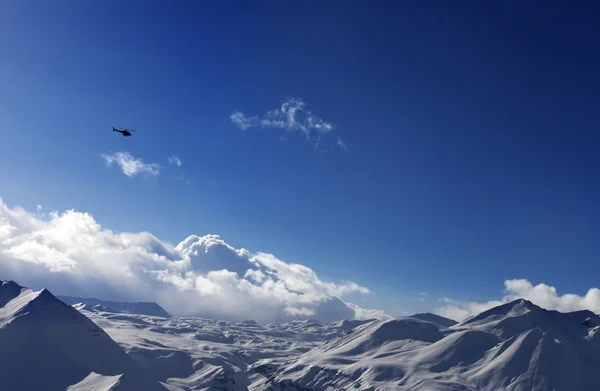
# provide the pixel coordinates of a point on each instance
(125, 132)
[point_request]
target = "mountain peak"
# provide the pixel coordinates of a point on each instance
(9, 288)
(433, 318)
(516, 345)
(38, 328)
(513, 308)
(10, 285)
(8, 291)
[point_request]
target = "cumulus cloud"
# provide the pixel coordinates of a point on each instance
(173, 159)
(290, 116)
(542, 295)
(70, 253)
(130, 165)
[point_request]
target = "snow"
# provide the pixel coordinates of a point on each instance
(516, 347)
(8, 291)
(49, 345)
(433, 318)
(510, 347)
(96, 382)
(204, 354)
(143, 308)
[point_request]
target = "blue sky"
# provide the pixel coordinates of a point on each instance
(471, 132)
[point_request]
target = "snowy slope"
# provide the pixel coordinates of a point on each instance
(435, 319)
(205, 354)
(46, 344)
(516, 347)
(142, 308)
(96, 382)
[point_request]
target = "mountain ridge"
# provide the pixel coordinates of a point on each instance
(47, 344)
(434, 318)
(516, 346)
(149, 308)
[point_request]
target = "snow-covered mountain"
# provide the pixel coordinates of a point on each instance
(142, 308)
(204, 354)
(433, 318)
(517, 346)
(49, 345)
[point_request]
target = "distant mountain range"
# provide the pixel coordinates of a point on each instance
(93, 345)
(142, 308)
(517, 346)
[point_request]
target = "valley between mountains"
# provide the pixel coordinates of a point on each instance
(77, 344)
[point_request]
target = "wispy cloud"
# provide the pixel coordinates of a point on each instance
(173, 159)
(291, 116)
(542, 295)
(40, 211)
(184, 179)
(130, 165)
(244, 122)
(342, 144)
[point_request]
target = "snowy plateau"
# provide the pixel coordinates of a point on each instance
(47, 344)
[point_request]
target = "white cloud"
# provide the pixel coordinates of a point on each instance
(70, 253)
(290, 116)
(173, 159)
(363, 314)
(40, 211)
(542, 295)
(130, 165)
(256, 275)
(299, 312)
(242, 121)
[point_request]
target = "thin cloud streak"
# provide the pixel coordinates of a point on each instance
(184, 179)
(291, 116)
(130, 165)
(173, 159)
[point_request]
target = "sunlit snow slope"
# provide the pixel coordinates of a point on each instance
(517, 346)
(48, 345)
